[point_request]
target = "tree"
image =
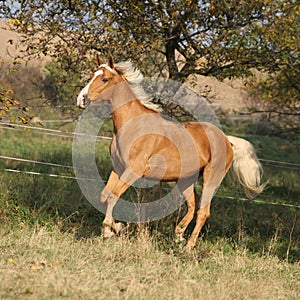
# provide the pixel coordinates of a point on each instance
(59, 84)
(221, 38)
(276, 95)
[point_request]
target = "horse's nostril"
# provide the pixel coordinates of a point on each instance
(85, 100)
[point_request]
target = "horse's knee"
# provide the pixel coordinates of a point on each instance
(104, 195)
(108, 197)
(203, 213)
(207, 215)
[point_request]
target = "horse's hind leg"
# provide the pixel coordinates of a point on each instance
(192, 202)
(202, 215)
(203, 210)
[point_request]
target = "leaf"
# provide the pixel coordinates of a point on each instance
(11, 261)
(37, 266)
(14, 21)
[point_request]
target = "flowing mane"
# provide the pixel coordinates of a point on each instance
(134, 78)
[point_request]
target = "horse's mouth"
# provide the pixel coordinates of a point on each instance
(83, 102)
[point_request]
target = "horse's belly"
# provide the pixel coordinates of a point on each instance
(171, 167)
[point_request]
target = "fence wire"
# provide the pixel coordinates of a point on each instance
(70, 134)
(91, 179)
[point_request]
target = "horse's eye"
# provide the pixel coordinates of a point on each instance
(105, 79)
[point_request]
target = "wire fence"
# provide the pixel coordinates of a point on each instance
(91, 179)
(49, 131)
(70, 134)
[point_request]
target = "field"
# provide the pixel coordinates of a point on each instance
(51, 247)
(44, 263)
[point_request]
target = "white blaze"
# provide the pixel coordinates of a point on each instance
(84, 91)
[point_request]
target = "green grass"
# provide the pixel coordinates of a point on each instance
(51, 246)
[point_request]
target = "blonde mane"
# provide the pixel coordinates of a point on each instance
(134, 78)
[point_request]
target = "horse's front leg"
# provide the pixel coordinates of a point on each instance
(114, 188)
(110, 200)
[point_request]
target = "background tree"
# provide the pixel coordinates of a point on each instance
(59, 84)
(276, 98)
(229, 36)
(172, 38)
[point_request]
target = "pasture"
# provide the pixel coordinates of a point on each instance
(51, 246)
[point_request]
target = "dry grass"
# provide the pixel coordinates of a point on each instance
(44, 263)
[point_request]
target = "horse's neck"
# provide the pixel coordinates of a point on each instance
(125, 106)
(127, 112)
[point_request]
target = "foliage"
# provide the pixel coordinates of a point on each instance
(8, 101)
(60, 84)
(276, 95)
(220, 38)
(169, 38)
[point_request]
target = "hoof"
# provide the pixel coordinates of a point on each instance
(118, 228)
(107, 233)
(190, 246)
(179, 239)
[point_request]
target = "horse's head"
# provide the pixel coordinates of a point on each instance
(100, 86)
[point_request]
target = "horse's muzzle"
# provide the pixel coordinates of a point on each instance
(83, 101)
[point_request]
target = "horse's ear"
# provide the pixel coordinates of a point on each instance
(99, 60)
(111, 61)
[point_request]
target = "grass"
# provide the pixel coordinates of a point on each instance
(51, 246)
(44, 263)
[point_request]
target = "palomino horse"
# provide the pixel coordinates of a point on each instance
(146, 145)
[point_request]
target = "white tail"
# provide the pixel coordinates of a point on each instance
(246, 166)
